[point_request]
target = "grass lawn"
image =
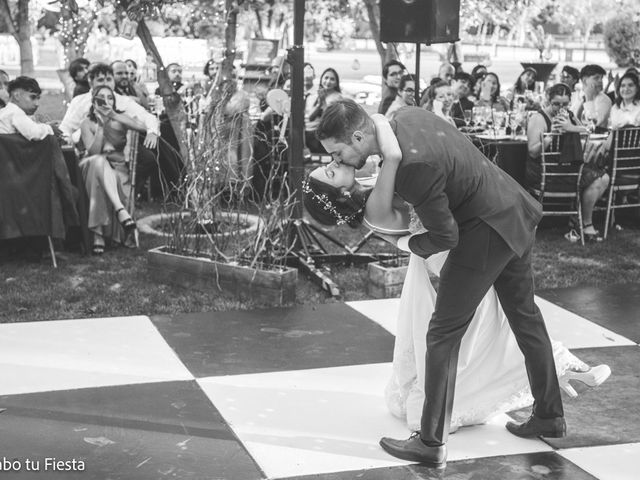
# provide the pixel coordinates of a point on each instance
(118, 282)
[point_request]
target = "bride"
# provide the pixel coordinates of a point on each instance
(491, 376)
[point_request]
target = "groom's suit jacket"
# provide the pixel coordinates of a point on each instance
(452, 186)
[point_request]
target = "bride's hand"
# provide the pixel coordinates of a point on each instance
(387, 141)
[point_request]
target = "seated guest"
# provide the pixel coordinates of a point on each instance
(478, 73)
(570, 76)
(78, 109)
(462, 86)
(210, 72)
(489, 94)
(4, 93)
(105, 173)
(101, 74)
(134, 80)
(406, 95)
(24, 98)
(523, 89)
(554, 116)
(593, 105)
(440, 99)
(124, 85)
(329, 92)
(446, 72)
(78, 69)
(309, 76)
(392, 72)
(626, 109)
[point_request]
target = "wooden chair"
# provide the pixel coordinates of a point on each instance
(625, 173)
(559, 190)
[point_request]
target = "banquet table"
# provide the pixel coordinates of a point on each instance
(510, 154)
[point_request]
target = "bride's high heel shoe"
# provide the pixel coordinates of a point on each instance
(592, 377)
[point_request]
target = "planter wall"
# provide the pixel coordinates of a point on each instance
(264, 286)
(385, 281)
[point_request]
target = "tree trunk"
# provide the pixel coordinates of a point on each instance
(259, 31)
(24, 38)
(373, 15)
(19, 27)
(220, 133)
(171, 99)
(231, 13)
(26, 52)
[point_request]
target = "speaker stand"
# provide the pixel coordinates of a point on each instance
(312, 258)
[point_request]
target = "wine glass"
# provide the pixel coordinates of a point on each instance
(489, 120)
(478, 116)
(467, 117)
(590, 119)
(515, 119)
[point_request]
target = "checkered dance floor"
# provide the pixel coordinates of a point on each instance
(287, 393)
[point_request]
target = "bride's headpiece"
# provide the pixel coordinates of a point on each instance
(322, 201)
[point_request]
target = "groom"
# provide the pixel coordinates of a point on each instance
(487, 221)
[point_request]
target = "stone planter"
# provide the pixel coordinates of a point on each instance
(386, 279)
(272, 287)
(152, 225)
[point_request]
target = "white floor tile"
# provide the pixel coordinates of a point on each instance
(575, 331)
(325, 420)
(572, 330)
(384, 311)
(611, 462)
(69, 354)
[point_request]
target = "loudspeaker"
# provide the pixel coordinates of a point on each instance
(420, 21)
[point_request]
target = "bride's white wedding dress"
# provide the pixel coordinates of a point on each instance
(491, 374)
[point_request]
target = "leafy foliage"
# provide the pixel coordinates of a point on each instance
(622, 40)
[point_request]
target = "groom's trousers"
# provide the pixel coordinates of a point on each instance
(460, 290)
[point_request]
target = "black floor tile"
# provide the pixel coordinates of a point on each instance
(616, 307)
(148, 431)
(538, 466)
(277, 339)
(608, 414)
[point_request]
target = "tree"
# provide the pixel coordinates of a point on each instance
(389, 51)
(583, 15)
(142, 10)
(514, 16)
(74, 27)
(622, 40)
(15, 16)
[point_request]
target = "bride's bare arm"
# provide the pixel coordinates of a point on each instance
(379, 211)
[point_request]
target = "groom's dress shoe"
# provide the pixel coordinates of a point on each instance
(414, 450)
(539, 427)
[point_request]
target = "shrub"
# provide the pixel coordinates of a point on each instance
(622, 40)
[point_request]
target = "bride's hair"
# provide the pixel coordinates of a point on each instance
(330, 206)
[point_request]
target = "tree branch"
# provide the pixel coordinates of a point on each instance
(6, 13)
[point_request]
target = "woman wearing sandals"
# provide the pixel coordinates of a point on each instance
(104, 170)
